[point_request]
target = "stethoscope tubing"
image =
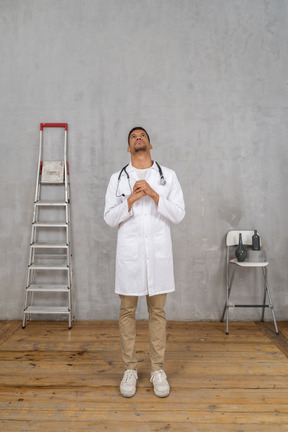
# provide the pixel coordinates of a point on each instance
(162, 178)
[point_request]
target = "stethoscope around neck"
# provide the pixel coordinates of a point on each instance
(162, 179)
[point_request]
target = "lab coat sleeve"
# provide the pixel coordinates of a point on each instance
(116, 209)
(172, 207)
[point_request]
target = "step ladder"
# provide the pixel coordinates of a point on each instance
(49, 278)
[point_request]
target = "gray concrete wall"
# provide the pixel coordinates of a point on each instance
(207, 78)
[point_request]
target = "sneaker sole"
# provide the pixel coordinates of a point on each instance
(162, 395)
(127, 394)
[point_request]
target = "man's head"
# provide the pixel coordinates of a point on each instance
(137, 128)
(138, 140)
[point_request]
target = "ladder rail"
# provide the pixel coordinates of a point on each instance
(65, 165)
(39, 165)
(68, 215)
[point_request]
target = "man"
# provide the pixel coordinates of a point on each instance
(141, 200)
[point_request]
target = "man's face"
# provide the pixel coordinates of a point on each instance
(138, 141)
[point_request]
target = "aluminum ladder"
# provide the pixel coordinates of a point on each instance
(49, 278)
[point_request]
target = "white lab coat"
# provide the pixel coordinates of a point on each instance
(144, 260)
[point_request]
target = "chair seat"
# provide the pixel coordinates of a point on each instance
(249, 263)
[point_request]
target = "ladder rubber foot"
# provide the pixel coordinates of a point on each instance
(227, 333)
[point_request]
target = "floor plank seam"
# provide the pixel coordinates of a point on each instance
(280, 340)
(8, 334)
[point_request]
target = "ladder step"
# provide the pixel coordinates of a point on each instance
(54, 258)
(56, 183)
(51, 203)
(48, 288)
(50, 224)
(47, 310)
(46, 245)
(48, 267)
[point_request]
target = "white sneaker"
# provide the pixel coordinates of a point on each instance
(160, 383)
(128, 383)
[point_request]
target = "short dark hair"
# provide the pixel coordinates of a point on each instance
(137, 128)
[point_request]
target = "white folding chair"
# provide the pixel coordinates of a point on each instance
(232, 240)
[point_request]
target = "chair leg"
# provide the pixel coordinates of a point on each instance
(227, 321)
(224, 310)
(270, 302)
(265, 292)
(226, 307)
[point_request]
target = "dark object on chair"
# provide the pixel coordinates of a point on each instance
(240, 251)
(255, 241)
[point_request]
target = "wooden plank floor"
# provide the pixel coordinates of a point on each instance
(55, 379)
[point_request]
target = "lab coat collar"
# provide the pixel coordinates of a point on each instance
(131, 169)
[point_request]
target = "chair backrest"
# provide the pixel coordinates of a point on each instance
(232, 238)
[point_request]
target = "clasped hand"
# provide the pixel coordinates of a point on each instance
(143, 188)
(140, 189)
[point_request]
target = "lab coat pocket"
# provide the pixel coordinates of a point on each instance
(128, 252)
(162, 246)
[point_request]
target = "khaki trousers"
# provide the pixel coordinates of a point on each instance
(157, 330)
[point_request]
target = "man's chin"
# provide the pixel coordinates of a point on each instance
(139, 149)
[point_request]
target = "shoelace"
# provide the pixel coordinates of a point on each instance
(159, 376)
(130, 375)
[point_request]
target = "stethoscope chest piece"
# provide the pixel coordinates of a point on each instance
(119, 179)
(162, 179)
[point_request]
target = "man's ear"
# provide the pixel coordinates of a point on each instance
(128, 149)
(150, 146)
